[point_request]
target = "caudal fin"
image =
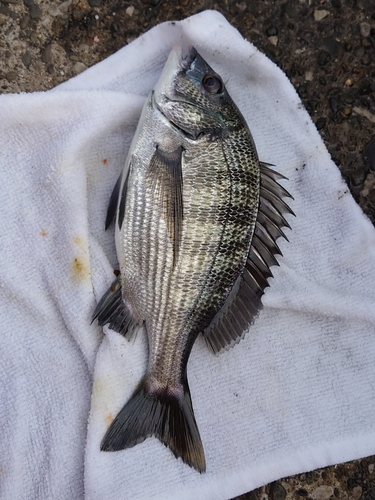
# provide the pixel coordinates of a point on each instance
(169, 418)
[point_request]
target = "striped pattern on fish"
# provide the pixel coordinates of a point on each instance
(197, 218)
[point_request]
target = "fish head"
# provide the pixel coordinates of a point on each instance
(193, 97)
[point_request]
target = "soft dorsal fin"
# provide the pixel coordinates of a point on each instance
(244, 302)
(165, 177)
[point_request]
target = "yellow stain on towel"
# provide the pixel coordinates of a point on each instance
(80, 266)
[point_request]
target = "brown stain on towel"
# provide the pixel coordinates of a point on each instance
(80, 266)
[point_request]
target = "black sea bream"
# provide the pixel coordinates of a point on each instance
(197, 218)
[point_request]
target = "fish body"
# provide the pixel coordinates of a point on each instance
(197, 218)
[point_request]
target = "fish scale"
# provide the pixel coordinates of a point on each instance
(197, 221)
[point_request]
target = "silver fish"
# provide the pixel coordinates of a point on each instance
(197, 218)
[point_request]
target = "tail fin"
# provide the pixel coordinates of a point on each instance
(161, 414)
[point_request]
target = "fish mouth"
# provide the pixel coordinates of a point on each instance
(187, 57)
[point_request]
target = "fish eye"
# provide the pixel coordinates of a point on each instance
(212, 84)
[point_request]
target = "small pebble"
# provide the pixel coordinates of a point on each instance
(278, 492)
(54, 11)
(323, 58)
(47, 21)
(357, 179)
(320, 14)
(365, 29)
(47, 54)
(79, 67)
(35, 12)
(34, 37)
(273, 40)
(333, 46)
(77, 14)
(302, 492)
(130, 11)
(274, 51)
(11, 76)
(320, 124)
(357, 490)
(26, 59)
(366, 43)
(371, 467)
(24, 21)
(50, 69)
(348, 82)
(309, 77)
(366, 59)
(272, 31)
(65, 6)
(322, 492)
(95, 3)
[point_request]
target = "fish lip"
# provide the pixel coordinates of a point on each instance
(187, 55)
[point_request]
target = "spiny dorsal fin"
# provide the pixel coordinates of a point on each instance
(165, 177)
(112, 309)
(244, 302)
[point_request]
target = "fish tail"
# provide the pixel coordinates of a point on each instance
(159, 413)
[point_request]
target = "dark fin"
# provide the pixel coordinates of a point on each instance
(112, 310)
(113, 203)
(154, 413)
(165, 175)
(244, 302)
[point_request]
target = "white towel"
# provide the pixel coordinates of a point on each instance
(296, 394)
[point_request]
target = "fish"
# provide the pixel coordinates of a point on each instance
(197, 216)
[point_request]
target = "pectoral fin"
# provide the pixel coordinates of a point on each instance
(165, 178)
(113, 203)
(119, 191)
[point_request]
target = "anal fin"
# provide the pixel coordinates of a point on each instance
(112, 310)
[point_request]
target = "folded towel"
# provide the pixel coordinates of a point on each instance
(296, 394)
